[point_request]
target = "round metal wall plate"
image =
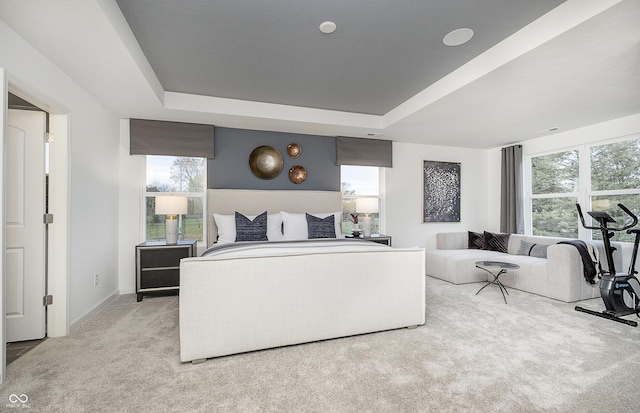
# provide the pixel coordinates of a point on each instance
(266, 162)
(297, 174)
(294, 150)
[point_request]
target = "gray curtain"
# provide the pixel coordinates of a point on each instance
(364, 152)
(511, 196)
(154, 137)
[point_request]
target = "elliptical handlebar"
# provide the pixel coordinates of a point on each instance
(584, 224)
(634, 219)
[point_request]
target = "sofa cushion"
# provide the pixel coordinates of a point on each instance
(452, 240)
(458, 266)
(476, 241)
(532, 276)
(496, 242)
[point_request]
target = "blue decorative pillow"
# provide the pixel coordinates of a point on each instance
(321, 227)
(248, 230)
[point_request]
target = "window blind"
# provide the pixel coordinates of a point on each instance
(364, 152)
(154, 137)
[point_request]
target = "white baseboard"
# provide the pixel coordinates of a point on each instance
(80, 320)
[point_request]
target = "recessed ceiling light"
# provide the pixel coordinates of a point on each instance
(328, 27)
(374, 134)
(458, 37)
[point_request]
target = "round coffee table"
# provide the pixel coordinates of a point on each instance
(502, 268)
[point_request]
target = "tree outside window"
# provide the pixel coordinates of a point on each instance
(610, 175)
(554, 182)
(615, 179)
(183, 176)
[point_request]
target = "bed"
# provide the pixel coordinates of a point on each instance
(259, 295)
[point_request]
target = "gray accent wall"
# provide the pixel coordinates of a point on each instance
(230, 168)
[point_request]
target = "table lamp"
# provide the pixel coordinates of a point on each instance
(367, 206)
(171, 206)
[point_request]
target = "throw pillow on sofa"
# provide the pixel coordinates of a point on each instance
(532, 250)
(476, 241)
(496, 242)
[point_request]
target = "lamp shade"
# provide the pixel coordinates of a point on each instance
(171, 205)
(367, 205)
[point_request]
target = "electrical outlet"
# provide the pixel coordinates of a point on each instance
(96, 279)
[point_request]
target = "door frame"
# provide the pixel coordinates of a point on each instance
(59, 251)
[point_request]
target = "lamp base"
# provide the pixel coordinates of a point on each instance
(366, 226)
(171, 234)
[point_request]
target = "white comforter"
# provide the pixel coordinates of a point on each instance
(280, 248)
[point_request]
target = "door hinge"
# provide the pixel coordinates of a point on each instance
(48, 218)
(47, 300)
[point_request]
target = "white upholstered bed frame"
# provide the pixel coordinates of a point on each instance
(230, 306)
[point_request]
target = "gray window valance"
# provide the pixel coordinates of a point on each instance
(154, 137)
(364, 152)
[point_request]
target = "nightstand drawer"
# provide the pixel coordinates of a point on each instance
(159, 278)
(163, 257)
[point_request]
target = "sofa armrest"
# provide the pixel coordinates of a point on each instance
(566, 274)
(452, 240)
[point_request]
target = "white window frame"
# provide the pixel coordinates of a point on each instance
(145, 195)
(584, 194)
(380, 197)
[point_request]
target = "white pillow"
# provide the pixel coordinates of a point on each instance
(227, 227)
(295, 225)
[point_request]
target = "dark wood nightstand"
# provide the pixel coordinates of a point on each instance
(379, 238)
(158, 265)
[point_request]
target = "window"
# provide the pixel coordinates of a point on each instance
(554, 189)
(180, 176)
(615, 179)
(597, 176)
(359, 182)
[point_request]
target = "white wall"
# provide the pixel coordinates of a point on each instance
(94, 208)
(92, 160)
(131, 210)
(403, 196)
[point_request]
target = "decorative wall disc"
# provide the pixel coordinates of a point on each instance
(297, 174)
(266, 162)
(294, 150)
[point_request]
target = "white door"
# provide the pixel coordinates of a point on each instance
(25, 230)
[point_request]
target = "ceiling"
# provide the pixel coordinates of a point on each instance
(382, 53)
(384, 73)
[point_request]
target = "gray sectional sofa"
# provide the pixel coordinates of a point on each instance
(559, 276)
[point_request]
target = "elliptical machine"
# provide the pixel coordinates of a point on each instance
(620, 292)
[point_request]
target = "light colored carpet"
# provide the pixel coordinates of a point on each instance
(474, 354)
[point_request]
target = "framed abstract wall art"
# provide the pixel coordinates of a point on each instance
(441, 192)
